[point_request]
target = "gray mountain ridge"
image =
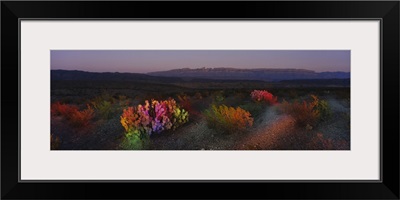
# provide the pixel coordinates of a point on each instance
(262, 74)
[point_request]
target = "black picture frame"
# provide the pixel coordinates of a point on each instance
(386, 11)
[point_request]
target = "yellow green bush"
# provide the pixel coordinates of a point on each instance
(228, 119)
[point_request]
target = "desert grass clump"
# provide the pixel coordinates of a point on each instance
(103, 108)
(263, 96)
(228, 119)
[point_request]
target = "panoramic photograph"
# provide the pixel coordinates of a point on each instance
(200, 100)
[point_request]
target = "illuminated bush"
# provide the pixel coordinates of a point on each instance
(76, 117)
(263, 96)
(180, 116)
(153, 118)
(82, 118)
(65, 110)
(304, 113)
(228, 119)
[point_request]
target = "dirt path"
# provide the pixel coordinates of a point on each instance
(268, 117)
(271, 133)
(275, 131)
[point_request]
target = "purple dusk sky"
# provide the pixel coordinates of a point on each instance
(143, 61)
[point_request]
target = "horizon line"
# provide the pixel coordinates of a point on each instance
(196, 68)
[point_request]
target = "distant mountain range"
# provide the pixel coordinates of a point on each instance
(251, 74)
(116, 76)
(202, 74)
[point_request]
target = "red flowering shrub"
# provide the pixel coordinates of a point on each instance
(64, 110)
(82, 118)
(72, 114)
(263, 96)
(191, 105)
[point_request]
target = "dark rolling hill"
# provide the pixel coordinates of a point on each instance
(206, 77)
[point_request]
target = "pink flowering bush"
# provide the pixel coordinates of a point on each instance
(263, 96)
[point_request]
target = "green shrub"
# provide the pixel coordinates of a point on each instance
(255, 109)
(324, 109)
(218, 97)
(228, 119)
(103, 108)
(135, 140)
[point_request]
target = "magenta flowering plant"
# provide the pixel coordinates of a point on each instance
(263, 96)
(162, 116)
